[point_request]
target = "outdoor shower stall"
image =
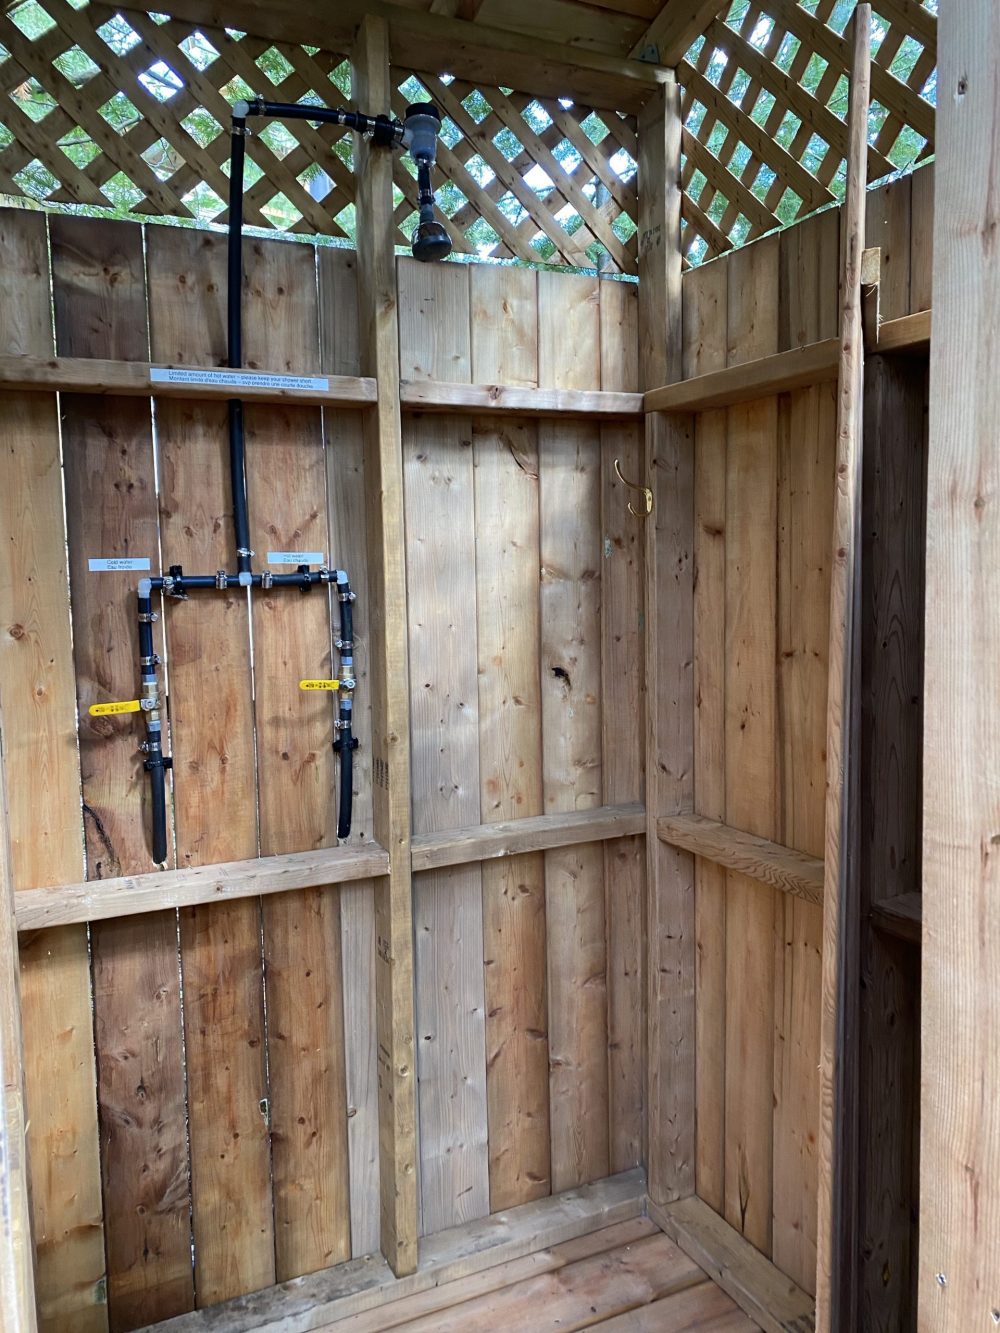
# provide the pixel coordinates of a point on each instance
(605, 1006)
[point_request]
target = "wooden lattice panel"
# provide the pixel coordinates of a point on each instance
(527, 177)
(765, 103)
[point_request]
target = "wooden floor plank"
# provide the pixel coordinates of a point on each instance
(579, 1296)
(702, 1309)
(503, 1276)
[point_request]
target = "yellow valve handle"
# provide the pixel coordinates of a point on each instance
(126, 706)
(319, 684)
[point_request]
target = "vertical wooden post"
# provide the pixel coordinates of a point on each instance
(669, 471)
(389, 664)
(959, 1282)
(17, 1279)
(836, 1247)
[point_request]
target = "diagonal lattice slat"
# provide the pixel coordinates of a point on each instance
(130, 112)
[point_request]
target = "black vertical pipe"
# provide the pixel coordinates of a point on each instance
(346, 743)
(155, 762)
(237, 447)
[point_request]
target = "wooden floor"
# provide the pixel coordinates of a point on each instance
(627, 1278)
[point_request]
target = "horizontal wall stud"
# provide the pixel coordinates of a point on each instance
(799, 368)
(781, 867)
(482, 842)
(900, 916)
(431, 396)
(71, 374)
(909, 333)
(104, 899)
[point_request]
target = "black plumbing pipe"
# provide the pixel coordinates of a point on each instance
(346, 742)
(155, 762)
(234, 322)
(385, 131)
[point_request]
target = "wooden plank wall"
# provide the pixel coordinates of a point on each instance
(764, 504)
(528, 971)
(257, 1141)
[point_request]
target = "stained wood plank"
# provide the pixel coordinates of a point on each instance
(448, 920)
(498, 399)
(836, 1236)
(324, 1300)
(569, 502)
(705, 329)
(100, 304)
(346, 487)
(921, 237)
(704, 1308)
(756, 858)
(17, 1276)
(622, 751)
(551, 1259)
(749, 378)
(770, 1298)
(296, 768)
(582, 1295)
(806, 442)
(117, 377)
(213, 750)
(384, 508)
(751, 741)
(505, 347)
(530, 833)
(669, 559)
(36, 664)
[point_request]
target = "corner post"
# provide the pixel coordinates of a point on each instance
(669, 471)
(389, 663)
(17, 1280)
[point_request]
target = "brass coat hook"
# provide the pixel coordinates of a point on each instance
(647, 494)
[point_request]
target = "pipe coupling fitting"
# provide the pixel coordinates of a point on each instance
(266, 580)
(221, 580)
(148, 617)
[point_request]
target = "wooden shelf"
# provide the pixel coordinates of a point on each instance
(436, 396)
(816, 363)
(781, 867)
(537, 833)
(900, 916)
(910, 333)
(103, 899)
(72, 374)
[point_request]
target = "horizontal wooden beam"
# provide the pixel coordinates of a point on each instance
(900, 916)
(909, 333)
(486, 399)
(438, 44)
(668, 38)
(796, 369)
(322, 1299)
(132, 379)
(103, 899)
(485, 842)
(781, 867)
(761, 1290)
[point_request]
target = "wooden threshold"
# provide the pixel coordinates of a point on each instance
(487, 399)
(816, 363)
(103, 899)
(900, 916)
(909, 333)
(133, 379)
(324, 1298)
(770, 1298)
(781, 867)
(484, 842)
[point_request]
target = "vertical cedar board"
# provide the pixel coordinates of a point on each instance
(504, 324)
(43, 774)
(100, 305)
(750, 741)
(448, 922)
(570, 542)
(622, 713)
(705, 332)
(296, 777)
(212, 739)
(346, 481)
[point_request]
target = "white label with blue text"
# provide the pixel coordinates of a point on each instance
(119, 562)
(238, 379)
(295, 557)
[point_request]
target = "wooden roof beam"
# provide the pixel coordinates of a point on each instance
(676, 26)
(435, 43)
